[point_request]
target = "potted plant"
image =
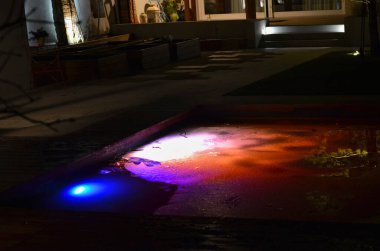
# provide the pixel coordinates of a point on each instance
(170, 8)
(40, 35)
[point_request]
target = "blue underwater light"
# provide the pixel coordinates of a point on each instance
(80, 190)
(86, 190)
(98, 193)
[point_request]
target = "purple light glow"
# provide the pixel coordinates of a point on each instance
(176, 147)
(173, 152)
(217, 153)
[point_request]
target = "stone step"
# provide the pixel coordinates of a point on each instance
(223, 44)
(303, 36)
(303, 43)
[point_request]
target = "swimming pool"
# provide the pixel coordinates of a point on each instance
(284, 162)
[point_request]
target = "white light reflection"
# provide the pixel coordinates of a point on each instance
(175, 147)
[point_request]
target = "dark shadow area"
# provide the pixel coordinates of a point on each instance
(82, 99)
(118, 232)
(336, 73)
(198, 66)
(215, 61)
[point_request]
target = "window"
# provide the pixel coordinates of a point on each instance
(224, 6)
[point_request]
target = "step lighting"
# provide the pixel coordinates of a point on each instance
(303, 29)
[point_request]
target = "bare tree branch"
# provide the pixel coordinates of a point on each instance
(11, 83)
(9, 108)
(10, 23)
(15, 85)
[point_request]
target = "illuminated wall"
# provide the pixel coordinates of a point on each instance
(73, 29)
(95, 16)
(39, 13)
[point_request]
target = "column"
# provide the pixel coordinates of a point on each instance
(250, 9)
(187, 10)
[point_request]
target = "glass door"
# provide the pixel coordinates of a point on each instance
(281, 8)
(235, 9)
(225, 9)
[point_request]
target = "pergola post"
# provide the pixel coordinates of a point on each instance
(190, 10)
(187, 10)
(250, 9)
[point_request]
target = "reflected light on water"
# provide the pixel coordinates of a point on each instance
(176, 147)
(212, 154)
(173, 153)
(86, 190)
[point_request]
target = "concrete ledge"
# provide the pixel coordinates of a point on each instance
(249, 30)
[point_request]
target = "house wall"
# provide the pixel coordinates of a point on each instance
(249, 30)
(84, 14)
(353, 8)
(39, 13)
(14, 54)
(353, 24)
(96, 16)
(42, 12)
(354, 31)
(140, 5)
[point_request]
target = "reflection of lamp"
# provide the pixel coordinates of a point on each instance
(242, 2)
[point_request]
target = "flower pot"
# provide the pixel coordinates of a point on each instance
(41, 41)
(153, 13)
(143, 18)
(174, 17)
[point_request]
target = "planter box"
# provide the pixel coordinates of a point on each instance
(94, 61)
(47, 69)
(81, 69)
(113, 65)
(155, 56)
(181, 49)
(224, 44)
(146, 55)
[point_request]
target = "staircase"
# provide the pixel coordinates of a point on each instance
(303, 36)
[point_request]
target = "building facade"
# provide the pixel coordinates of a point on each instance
(97, 16)
(236, 9)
